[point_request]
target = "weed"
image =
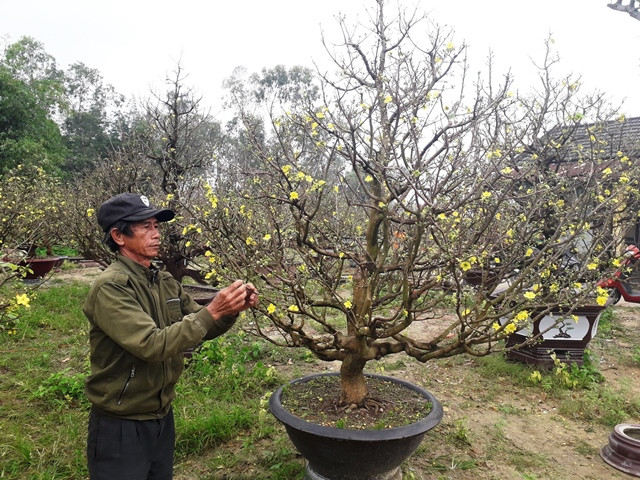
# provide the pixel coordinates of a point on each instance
(493, 366)
(448, 463)
(605, 323)
(460, 433)
(61, 387)
(508, 409)
(585, 449)
(577, 376)
(636, 355)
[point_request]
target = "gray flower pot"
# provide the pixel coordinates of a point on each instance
(342, 454)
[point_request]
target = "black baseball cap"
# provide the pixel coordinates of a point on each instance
(131, 207)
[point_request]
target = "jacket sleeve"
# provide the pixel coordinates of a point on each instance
(118, 314)
(217, 328)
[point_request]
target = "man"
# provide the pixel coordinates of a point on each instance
(141, 321)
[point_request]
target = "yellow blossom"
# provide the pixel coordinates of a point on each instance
(368, 178)
(511, 328)
(347, 304)
(22, 299)
(267, 237)
(293, 308)
(90, 212)
(522, 315)
(495, 326)
(592, 266)
(293, 195)
(529, 252)
(529, 295)
(271, 308)
(602, 297)
(465, 266)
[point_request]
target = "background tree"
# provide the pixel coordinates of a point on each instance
(90, 115)
(27, 60)
(170, 145)
(363, 216)
(95, 119)
(28, 136)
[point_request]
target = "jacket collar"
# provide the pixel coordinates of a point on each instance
(151, 273)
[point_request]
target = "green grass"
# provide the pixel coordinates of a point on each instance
(43, 411)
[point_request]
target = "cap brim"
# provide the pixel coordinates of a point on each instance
(160, 215)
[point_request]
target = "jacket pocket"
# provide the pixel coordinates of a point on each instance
(132, 373)
(175, 309)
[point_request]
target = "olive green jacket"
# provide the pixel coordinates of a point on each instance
(141, 322)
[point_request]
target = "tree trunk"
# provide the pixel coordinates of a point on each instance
(353, 389)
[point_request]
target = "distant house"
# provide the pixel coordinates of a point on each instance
(571, 150)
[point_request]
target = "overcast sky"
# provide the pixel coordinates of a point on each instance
(135, 43)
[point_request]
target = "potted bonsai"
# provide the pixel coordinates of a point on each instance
(359, 202)
(30, 202)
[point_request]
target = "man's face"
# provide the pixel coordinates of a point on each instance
(144, 243)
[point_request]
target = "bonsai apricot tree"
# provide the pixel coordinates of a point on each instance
(411, 209)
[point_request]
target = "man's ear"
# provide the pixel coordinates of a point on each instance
(117, 236)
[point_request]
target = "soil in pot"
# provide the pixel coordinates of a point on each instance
(388, 404)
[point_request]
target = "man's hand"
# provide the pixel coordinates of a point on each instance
(233, 299)
(251, 299)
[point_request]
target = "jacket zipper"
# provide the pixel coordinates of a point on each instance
(132, 374)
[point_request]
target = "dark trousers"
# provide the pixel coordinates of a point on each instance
(130, 449)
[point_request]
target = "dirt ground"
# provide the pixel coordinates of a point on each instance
(524, 428)
(496, 430)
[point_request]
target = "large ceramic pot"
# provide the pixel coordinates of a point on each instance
(565, 333)
(41, 266)
(342, 454)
